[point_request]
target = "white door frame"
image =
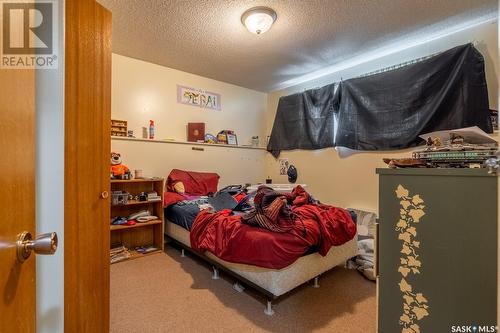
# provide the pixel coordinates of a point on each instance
(49, 93)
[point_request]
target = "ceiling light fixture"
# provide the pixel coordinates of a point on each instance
(258, 19)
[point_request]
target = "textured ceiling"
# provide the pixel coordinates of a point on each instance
(206, 37)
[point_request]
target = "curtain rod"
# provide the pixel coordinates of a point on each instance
(390, 68)
(403, 64)
(406, 63)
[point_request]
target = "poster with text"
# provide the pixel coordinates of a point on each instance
(198, 97)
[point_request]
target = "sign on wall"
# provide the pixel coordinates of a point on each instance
(198, 97)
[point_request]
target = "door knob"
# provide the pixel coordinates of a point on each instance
(42, 244)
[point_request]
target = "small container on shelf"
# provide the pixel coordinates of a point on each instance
(119, 198)
(151, 129)
(255, 141)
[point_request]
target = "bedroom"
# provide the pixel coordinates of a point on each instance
(141, 66)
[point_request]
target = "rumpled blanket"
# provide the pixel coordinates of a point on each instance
(272, 210)
(313, 226)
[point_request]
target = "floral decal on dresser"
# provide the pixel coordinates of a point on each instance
(415, 305)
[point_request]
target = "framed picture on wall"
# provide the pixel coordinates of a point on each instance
(232, 139)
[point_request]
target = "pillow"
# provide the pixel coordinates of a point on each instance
(365, 222)
(194, 183)
(171, 198)
(179, 188)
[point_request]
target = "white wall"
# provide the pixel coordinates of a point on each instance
(352, 182)
(234, 165)
(142, 91)
(50, 189)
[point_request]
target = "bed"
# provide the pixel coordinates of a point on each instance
(271, 282)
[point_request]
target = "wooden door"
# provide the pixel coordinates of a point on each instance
(17, 193)
(87, 156)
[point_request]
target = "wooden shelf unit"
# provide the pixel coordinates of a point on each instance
(139, 234)
(118, 128)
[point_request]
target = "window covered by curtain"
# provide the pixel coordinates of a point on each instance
(389, 110)
(304, 121)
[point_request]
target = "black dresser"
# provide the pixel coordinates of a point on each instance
(437, 250)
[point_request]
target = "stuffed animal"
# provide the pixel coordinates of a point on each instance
(118, 170)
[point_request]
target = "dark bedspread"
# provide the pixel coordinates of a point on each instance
(183, 213)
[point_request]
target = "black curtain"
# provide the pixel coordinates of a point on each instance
(390, 110)
(304, 121)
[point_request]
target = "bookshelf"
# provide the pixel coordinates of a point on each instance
(140, 234)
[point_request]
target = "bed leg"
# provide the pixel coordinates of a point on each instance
(183, 253)
(238, 287)
(316, 282)
(215, 275)
(269, 308)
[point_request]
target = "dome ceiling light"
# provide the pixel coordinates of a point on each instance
(258, 19)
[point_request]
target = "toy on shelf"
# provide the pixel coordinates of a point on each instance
(227, 137)
(210, 138)
(119, 170)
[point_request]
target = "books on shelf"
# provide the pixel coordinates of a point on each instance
(119, 253)
(153, 196)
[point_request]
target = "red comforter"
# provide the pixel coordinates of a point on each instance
(228, 238)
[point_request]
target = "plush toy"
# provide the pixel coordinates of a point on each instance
(118, 170)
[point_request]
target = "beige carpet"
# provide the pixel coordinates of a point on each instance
(167, 293)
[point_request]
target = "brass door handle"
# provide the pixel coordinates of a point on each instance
(105, 194)
(45, 244)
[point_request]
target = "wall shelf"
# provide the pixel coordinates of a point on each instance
(186, 143)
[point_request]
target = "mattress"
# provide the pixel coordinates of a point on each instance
(278, 282)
